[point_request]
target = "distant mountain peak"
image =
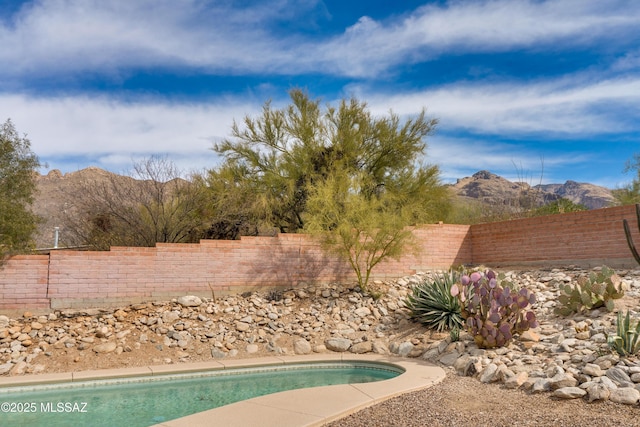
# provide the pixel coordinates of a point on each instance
(491, 188)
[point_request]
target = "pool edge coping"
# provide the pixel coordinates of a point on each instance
(308, 407)
(315, 406)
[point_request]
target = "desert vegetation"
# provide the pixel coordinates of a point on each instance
(17, 187)
(353, 179)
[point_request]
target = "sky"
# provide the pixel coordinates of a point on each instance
(533, 90)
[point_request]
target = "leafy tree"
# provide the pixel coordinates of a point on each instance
(559, 206)
(630, 194)
(152, 205)
(18, 165)
(231, 210)
(342, 173)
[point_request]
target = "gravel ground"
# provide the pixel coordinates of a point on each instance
(463, 401)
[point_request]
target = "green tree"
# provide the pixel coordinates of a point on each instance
(18, 165)
(342, 173)
(559, 206)
(630, 194)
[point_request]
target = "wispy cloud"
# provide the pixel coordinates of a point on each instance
(110, 133)
(570, 106)
(458, 27)
(98, 44)
(58, 36)
(462, 156)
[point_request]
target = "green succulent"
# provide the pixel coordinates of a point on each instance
(627, 339)
(597, 290)
(432, 304)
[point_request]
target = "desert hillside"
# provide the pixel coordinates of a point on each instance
(58, 195)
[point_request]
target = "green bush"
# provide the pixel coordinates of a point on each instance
(627, 339)
(432, 304)
(595, 291)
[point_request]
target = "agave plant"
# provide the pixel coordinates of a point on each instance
(432, 304)
(627, 339)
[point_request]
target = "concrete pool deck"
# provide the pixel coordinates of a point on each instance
(303, 407)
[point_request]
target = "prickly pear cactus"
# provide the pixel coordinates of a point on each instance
(493, 311)
(599, 289)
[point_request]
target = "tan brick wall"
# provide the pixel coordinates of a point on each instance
(23, 283)
(587, 238)
(124, 275)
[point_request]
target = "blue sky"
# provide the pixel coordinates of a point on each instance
(533, 90)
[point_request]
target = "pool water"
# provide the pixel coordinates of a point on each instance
(145, 401)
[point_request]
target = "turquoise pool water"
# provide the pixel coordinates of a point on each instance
(145, 401)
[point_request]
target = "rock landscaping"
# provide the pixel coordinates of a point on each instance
(567, 357)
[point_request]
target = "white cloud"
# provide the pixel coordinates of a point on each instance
(568, 106)
(58, 36)
(111, 132)
(460, 157)
(458, 27)
(80, 35)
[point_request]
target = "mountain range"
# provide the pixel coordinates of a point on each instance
(57, 194)
(494, 189)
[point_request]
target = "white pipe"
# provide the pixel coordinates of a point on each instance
(56, 235)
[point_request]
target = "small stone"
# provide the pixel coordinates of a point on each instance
(102, 332)
(5, 367)
(449, 359)
(598, 391)
(216, 353)
(320, 348)
(405, 348)
(189, 301)
(106, 347)
(363, 311)
(540, 385)
(618, 376)
(301, 346)
(516, 381)
(19, 368)
(608, 383)
(626, 396)
(488, 373)
(530, 335)
(592, 370)
(569, 393)
(36, 325)
(562, 381)
(380, 347)
(252, 348)
(584, 335)
(338, 344)
(242, 326)
(362, 347)
(169, 317)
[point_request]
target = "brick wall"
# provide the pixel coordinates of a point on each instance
(67, 279)
(587, 238)
(23, 282)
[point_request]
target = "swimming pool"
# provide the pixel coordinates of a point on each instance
(145, 401)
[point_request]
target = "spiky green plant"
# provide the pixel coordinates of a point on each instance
(432, 304)
(595, 291)
(627, 339)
